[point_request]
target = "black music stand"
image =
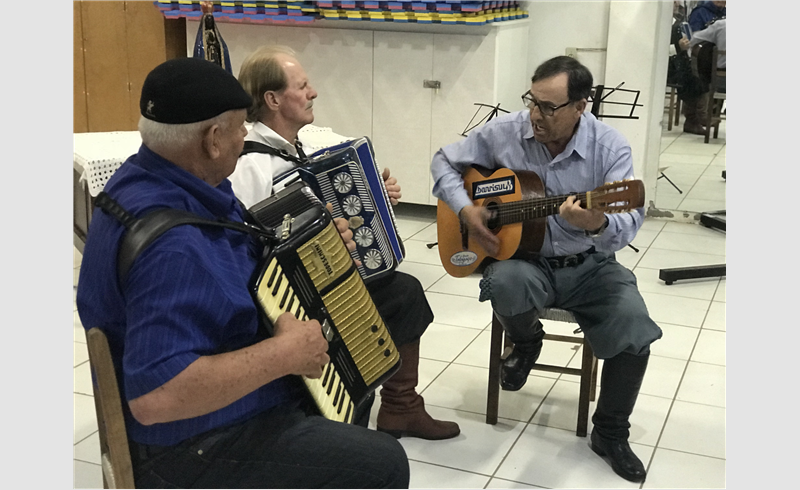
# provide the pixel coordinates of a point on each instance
(716, 220)
(598, 97)
(488, 117)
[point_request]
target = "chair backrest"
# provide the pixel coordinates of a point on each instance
(114, 451)
(716, 72)
(704, 60)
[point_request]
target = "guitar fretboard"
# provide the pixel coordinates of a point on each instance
(516, 211)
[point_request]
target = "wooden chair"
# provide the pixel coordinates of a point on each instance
(114, 451)
(587, 371)
(704, 65)
(715, 99)
(673, 106)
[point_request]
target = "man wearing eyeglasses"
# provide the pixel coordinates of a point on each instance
(575, 269)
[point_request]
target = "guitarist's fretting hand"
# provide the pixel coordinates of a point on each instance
(588, 219)
(476, 217)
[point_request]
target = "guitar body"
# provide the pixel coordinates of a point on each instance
(460, 253)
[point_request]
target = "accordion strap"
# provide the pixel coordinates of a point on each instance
(143, 231)
(256, 147)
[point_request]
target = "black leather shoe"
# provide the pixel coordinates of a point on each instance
(517, 366)
(623, 461)
(694, 129)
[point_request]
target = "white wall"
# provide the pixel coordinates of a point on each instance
(556, 26)
(619, 41)
(638, 46)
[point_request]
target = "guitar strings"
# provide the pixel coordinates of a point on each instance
(514, 208)
(509, 212)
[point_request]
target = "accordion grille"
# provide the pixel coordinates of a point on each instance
(349, 304)
(361, 328)
(324, 257)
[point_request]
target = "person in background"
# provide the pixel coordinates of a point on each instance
(705, 12)
(714, 33)
(694, 109)
(209, 400)
(283, 101)
(575, 269)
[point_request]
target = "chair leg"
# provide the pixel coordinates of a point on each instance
(493, 390)
(709, 115)
(677, 110)
(587, 373)
(671, 109)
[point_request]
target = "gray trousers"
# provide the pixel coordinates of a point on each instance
(600, 293)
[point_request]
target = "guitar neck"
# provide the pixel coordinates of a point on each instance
(518, 211)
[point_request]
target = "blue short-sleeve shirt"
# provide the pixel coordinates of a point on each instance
(186, 295)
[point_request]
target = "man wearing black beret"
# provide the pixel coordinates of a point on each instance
(207, 402)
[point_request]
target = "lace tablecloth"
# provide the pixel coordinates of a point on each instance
(316, 138)
(96, 156)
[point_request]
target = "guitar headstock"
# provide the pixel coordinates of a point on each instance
(617, 197)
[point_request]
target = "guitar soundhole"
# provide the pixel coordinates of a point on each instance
(493, 222)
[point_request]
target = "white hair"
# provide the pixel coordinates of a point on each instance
(157, 135)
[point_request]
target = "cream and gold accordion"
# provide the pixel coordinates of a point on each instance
(310, 273)
(347, 176)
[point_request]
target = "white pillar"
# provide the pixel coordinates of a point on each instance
(637, 53)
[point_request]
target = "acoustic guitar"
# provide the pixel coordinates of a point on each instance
(518, 214)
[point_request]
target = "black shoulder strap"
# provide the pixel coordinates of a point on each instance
(256, 147)
(143, 231)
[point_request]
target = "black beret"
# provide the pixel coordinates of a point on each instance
(188, 90)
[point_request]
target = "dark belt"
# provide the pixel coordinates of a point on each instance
(569, 260)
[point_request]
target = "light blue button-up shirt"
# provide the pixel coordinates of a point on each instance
(596, 154)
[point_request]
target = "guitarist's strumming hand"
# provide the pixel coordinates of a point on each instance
(475, 218)
(588, 219)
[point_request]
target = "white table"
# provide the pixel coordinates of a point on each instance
(96, 156)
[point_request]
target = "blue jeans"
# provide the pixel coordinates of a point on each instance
(600, 293)
(284, 447)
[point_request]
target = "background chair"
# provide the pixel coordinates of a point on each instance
(673, 106)
(587, 371)
(114, 451)
(704, 65)
(716, 99)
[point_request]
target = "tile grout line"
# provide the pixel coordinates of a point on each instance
(675, 397)
(530, 419)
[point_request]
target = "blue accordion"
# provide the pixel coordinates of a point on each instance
(347, 176)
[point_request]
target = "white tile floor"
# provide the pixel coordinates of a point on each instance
(679, 428)
(694, 167)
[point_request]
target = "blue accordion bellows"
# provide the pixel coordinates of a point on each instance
(347, 176)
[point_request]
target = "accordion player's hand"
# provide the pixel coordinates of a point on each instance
(307, 347)
(392, 187)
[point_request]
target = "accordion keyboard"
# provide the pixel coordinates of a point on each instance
(328, 391)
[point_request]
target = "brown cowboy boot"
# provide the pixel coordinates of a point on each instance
(402, 411)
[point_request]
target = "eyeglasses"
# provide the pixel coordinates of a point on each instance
(545, 110)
